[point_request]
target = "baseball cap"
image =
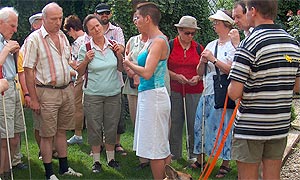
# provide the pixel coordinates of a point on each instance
(35, 17)
(102, 7)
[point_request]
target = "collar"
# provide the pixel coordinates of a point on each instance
(106, 44)
(45, 32)
(193, 43)
(266, 26)
(2, 40)
(110, 27)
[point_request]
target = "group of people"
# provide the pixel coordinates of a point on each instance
(170, 84)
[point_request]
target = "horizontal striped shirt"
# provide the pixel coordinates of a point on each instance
(36, 56)
(268, 79)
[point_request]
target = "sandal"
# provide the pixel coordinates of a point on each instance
(119, 149)
(196, 165)
(223, 171)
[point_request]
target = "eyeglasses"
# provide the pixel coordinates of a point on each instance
(216, 22)
(135, 18)
(104, 12)
(189, 33)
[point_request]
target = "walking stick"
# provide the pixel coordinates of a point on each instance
(6, 129)
(203, 119)
(186, 124)
(25, 129)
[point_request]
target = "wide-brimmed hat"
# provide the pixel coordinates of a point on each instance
(187, 22)
(220, 15)
(35, 17)
(102, 7)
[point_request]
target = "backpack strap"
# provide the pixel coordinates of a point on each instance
(171, 44)
(199, 47)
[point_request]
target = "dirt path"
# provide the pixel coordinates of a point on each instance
(290, 169)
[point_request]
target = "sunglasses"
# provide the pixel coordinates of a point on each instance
(189, 33)
(104, 12)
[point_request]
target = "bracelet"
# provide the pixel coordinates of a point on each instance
(26, 94)
(216, 60)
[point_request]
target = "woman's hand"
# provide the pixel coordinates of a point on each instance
(181, 79)
(89, 56)
(207, 55)
(194, 80)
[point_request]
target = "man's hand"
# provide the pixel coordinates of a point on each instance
(35, 107)
(12, 46)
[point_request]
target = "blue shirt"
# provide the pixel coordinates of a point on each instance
(9, 66)
(157, 80)
(102, 71)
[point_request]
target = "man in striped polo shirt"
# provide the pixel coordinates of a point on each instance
(264, 80)
(47, 75)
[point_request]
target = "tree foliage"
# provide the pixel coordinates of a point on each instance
(172, 11)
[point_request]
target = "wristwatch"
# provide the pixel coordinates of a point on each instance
(216, 60)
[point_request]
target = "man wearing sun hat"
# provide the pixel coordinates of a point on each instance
(182, 63)
(264, 80)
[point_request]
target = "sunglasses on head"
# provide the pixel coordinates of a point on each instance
(104, 12)
(189, 33)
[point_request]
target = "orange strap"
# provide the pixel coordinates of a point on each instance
(50, 59)
(212, 162)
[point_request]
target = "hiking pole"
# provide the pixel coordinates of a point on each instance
(25, 129)
(6, 129)
(203, 119)
(186, 124)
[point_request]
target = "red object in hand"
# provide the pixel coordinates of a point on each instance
(88, 47)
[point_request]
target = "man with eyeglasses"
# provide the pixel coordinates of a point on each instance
(114, 33)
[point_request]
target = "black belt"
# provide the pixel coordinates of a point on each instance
(52, 87)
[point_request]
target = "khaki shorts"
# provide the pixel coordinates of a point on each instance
(102, 114)
(254, 151)
(13, 112)
(57, 110)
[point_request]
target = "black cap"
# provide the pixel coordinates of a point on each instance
(102, 7)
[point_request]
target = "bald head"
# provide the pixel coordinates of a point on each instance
(52, 17)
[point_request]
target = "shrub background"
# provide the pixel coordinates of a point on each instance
(172, 10)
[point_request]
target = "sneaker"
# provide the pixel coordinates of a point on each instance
(96, 168)
(114, 164)
(71, 172)
(75, 140)
(40, 156)
(53, 177)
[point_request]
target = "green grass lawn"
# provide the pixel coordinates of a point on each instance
(79, 159)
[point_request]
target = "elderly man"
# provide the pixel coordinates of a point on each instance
(13, 112)
(47, 77)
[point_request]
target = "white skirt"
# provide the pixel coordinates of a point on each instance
(151, 134)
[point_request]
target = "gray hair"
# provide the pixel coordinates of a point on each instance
(44, 10)
(5, 12)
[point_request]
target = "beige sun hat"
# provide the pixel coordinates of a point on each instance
(187, 22)
(220, 15)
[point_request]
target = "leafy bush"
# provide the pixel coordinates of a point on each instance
(294, 28)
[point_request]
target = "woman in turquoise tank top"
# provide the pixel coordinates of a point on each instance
(151, 135)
